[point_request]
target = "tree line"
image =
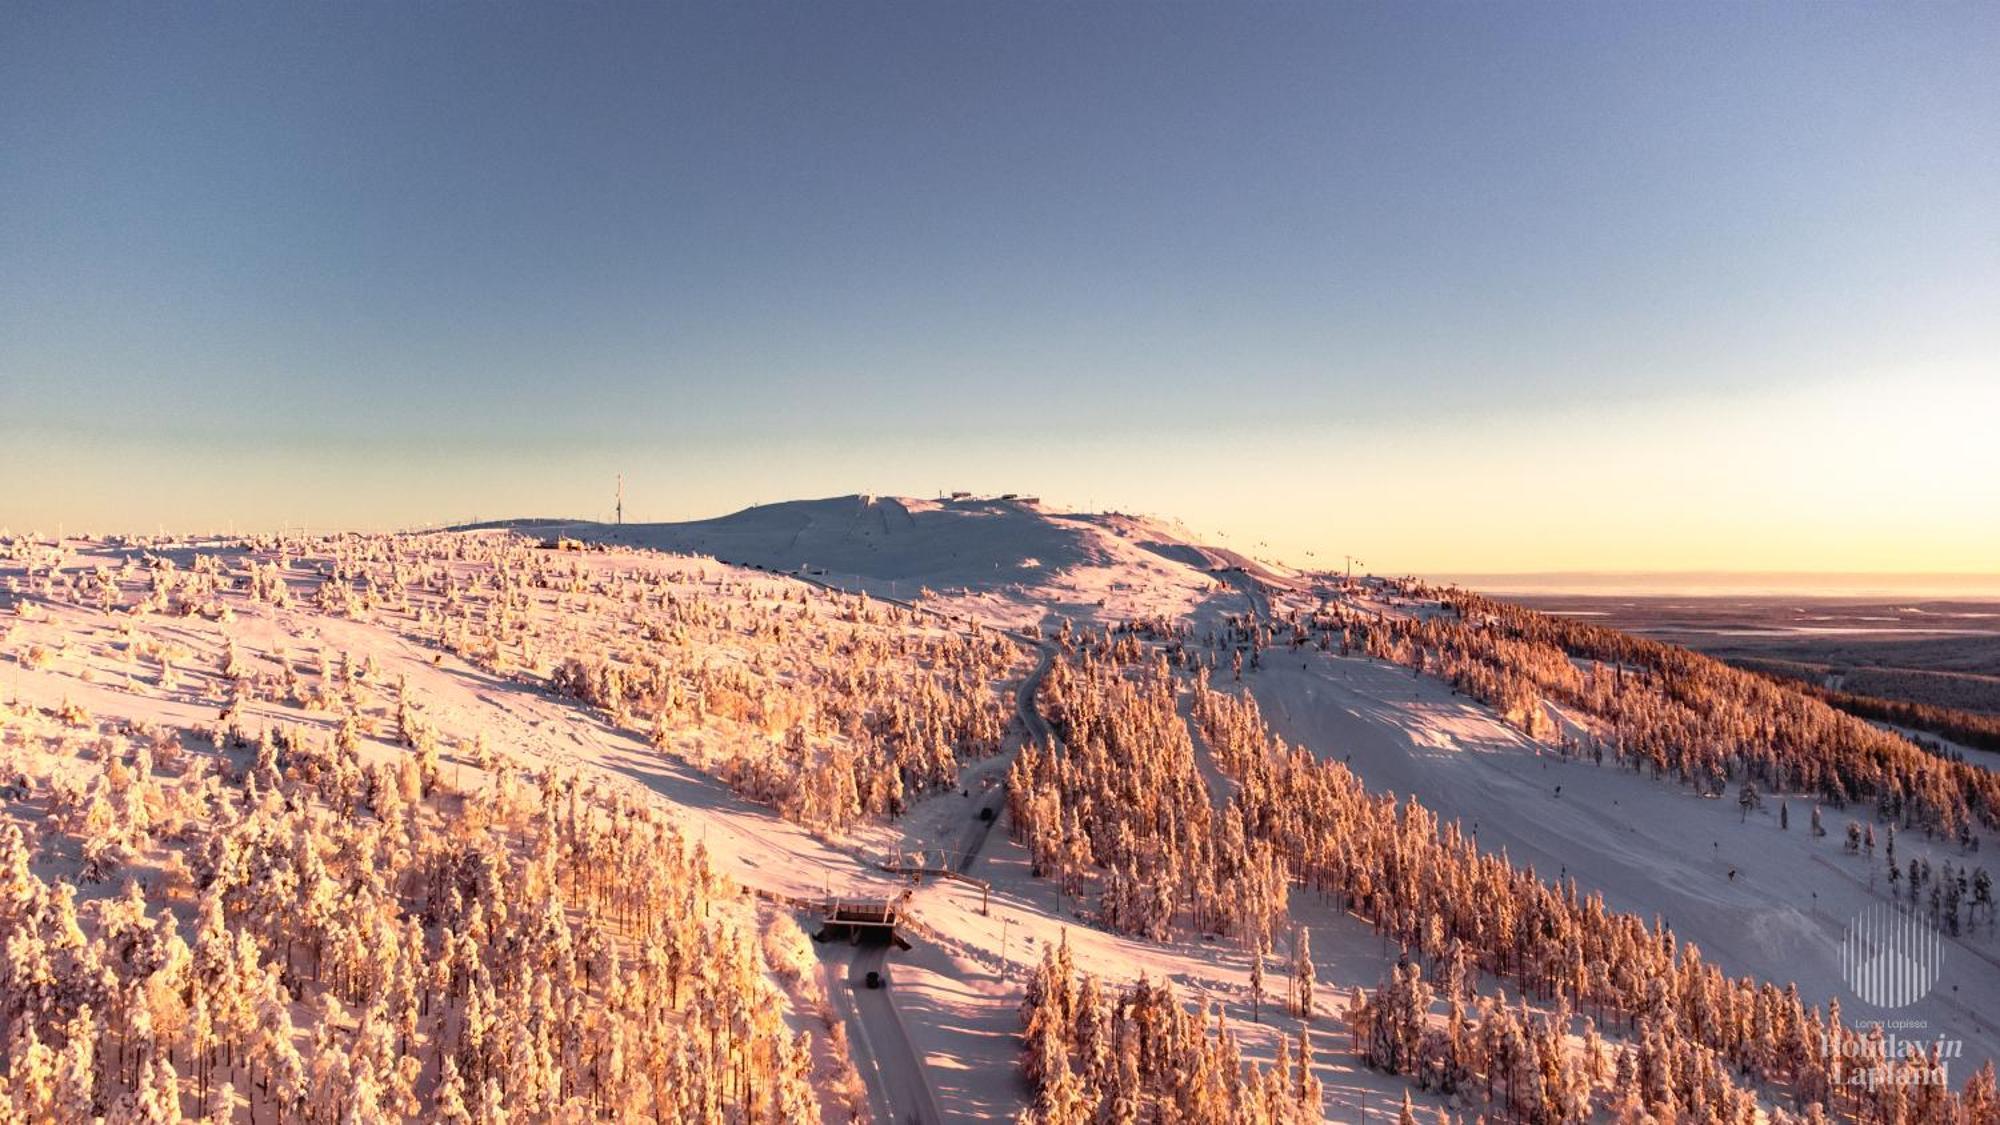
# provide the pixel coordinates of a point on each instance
(1678, 1037)
(1667, 709)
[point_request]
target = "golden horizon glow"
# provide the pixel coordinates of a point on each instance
(1893, 475)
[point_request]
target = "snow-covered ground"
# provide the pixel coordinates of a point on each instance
(959, 990)
(1758, 901)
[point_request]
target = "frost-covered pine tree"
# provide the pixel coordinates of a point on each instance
(1303, 973)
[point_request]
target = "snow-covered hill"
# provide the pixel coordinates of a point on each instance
(1774, 904)
(803, 738)
(1007, 560)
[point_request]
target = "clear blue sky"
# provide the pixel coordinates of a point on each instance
(1493, 286)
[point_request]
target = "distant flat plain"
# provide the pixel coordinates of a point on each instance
(1921, 641)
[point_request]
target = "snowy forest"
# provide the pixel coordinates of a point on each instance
(414, 828)
(317, 905)
(1672, 711)
(272, 927)
(1609, 1013)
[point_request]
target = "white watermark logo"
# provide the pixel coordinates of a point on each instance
(1891, 959)
(1871, 1055)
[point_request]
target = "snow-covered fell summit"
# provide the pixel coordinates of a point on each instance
(1015, 558)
